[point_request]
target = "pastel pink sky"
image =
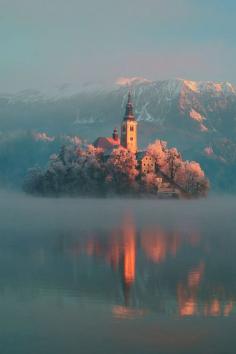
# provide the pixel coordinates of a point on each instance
(49, 43)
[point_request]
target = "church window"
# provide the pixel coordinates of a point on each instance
(131, 128)
(131, 138)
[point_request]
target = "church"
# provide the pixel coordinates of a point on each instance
(129, 140)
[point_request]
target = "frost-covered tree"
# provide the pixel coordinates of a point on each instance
(192, 178)
(158, 151)
(187, 175)
(149, 184)
(86, 170)
(90, 170)
(173, 162)
(33, 183)
(121, 171)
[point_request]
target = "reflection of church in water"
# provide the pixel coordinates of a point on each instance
(122, 249)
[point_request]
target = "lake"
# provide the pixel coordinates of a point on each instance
(117, 276)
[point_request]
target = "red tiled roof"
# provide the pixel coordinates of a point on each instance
(106, 143)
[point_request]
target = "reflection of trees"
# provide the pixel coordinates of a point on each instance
(187, 294)
(189, 304)
(157, 244)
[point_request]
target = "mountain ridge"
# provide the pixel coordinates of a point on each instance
(201, 107)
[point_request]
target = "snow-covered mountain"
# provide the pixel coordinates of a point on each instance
(182, 111)
(153, 100)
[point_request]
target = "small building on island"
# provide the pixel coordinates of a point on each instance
(129, 140)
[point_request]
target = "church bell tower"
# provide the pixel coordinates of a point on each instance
(129, 128)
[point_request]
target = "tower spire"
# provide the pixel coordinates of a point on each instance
(129, 96)
(129, 112)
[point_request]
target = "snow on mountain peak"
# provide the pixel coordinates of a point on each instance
(199, 119)
(196, 116)
(129, 81)
(209, 86)
(230, 87)
(192, 85)
(217, 87)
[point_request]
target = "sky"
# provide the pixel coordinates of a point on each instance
(49, 43)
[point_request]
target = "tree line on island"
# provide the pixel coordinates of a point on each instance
(84, 170)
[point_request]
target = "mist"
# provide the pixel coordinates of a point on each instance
(33, 216)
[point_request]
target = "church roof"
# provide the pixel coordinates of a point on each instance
(107, 143)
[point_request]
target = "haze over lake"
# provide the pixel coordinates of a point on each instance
(117, 275)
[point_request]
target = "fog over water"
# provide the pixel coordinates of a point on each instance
(72, 211)
(117, 275)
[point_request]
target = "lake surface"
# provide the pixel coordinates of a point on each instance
(117, 276)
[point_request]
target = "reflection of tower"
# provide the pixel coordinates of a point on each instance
(129, 257)
(129, 128)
